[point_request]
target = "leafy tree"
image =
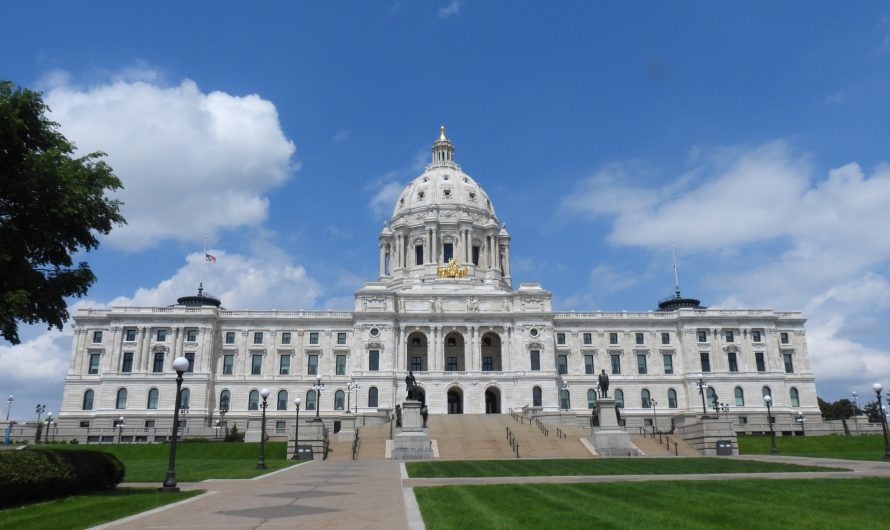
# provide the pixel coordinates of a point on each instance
(839, 410)
(52, 205)
(873, 413)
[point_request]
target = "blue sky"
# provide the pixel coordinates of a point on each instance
(750, 133)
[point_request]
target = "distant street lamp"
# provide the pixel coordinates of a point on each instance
(654, 415)
(180, 365)
(261, 462)
(319, 388)
(296, 455)
(877, 388)
(855, 398)
(768, 399)
(49, 421)
(702, 386)
(120, 429)
(218, 424)
(9, 401)
(351, 387)
(801, 420)
(40, 409)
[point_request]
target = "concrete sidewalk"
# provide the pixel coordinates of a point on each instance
(330, 494)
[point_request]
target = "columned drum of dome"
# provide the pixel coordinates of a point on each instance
(443, 307)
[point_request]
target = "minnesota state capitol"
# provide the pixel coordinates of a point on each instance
(444, 307)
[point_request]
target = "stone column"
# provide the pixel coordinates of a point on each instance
(382, 259)
(401, 351)
(507, 259)
(114, 351)
(144, 343)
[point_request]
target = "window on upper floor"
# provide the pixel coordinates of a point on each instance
(639, 338)
(756, 336)
(730, 336)
(732, 361)
(130, 335)
(191, 335)
(312, 365)
(616, 363)
(285, 337)
(641, 364)
(783, 337)
(341, 338)
(672, 398)
(562, 364)
(161, 335)
(665, 338)
(374, 360)
(256, 364)
(97, 337)
(560, 338)
(789, 363)
(702, 336)
(258, 337)
(761, 362)
(313, 337)
(158, 363)
(447, 251)
(341, 365)
(475, 255)
(535, 356)
(589, 369)
(228, 364)
(94, 363)
(127, 362)
(668, 363)
(705, 358)
(190, 357)
(418, 255)
(613, 338)
(230, 337)
(284, 365)
(588, 338)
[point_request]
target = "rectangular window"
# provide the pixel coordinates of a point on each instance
(702, 336)
(613, 338)
(783, 337)
(535, 360)
(230, 337)
(789, 365)
(285, 337)
(312, 365)
(475, 255)
(730, 336)
(668, 364)
(313, 337)
(341, 365)
(452, 364)
(280, 426)
(416, 364)
(183, 424)
(588, 338)
(94, 363)
(127, 364)
(588, 365)
(733, 362)
(228, 364)
(641, 364)
(756, 336)
(665, 338)
(284, 365)
(256, 364)
(418, 255)
(158, 364)
(638, 338)
(616, 363)
(130, 335)
(161, 335)
(97, 337)
(562, 364)
(560, 338)
(374, 360)
(190, 356)
(341, 338)
(488, 363)
(85, 425)
(191, 335)
(705, 361)
(761, 363)
(447, 252)
(743, 420)
(258, 337)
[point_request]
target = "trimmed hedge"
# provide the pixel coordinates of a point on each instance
(35, 475)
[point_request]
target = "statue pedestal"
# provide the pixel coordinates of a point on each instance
(609, 439)
(412, 441)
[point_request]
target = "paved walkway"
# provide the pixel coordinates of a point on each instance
(328, 494)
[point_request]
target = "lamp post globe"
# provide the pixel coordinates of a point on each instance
(120, 429)
(9, 401)
(296, 455)
(261, 462)
(877, 387)
(180, 365)
(768, 399)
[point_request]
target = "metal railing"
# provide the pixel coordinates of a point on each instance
(513, 441)
(356, 444)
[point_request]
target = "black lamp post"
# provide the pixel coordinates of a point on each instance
(223, 410)
(799, 418)
(769, 418)
(261, 462)
(120, 429)
(318, 387)
(39, 410)
(351, 387)
(9, 401)
(49, 421)
(296, 455)
(855, 398)
(877, 388)
(702, 385)
(654, 415)
(180, 365)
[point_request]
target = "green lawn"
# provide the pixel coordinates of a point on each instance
(813, 503)
(864, 447)
(84, 511)
(599, 466)
(194, 461)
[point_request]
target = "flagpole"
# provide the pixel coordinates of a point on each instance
(203, 264)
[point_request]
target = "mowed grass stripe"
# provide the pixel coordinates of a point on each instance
(747, 503)
(864, 447)
(604, 466)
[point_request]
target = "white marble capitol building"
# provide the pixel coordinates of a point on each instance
(443, 306)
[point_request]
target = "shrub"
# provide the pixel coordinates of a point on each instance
(41, 474)
(234, 435)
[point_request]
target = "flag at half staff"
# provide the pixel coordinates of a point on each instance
(210, 258)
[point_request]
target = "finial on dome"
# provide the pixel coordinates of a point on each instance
(442, 133)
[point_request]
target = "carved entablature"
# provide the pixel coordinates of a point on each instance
(374, 346)
(159, 348)
(373, 303)
(534, 345)
(731, 348)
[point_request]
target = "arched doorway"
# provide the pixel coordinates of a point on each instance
(454, 352)
(455, 401)
(492, 401)
(491, 352)
(417, 352)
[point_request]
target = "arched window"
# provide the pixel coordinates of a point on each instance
(645, 398)
(310, 400)
(536, 397)
(253, 400)
(672, 398)
(712, 396)
(619, 398)
(224, 398)
(591, 399)
(88, 400)
(795, 397)
(153, 396)
(339, 400)
(739, 397)
(372, 397)
(184, 398)
(282, 400)
(121, 399)
(766, 391)
(565, 399)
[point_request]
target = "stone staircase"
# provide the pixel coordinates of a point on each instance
(372, 447)
(651, 446)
